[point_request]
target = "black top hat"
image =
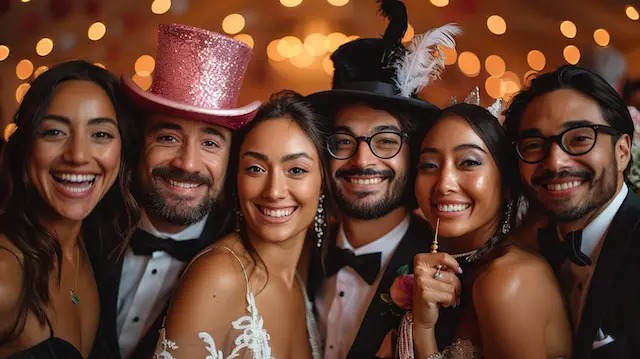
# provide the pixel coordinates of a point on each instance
(384, 73)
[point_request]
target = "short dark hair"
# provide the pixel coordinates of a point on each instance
(494, 136)
(614, 111)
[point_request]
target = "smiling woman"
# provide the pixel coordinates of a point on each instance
(278, 161)
(65, 171)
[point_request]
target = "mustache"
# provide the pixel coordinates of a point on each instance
(551, 175)
(341, 173)
(176, 174)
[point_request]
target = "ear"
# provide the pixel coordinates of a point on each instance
(623, 152)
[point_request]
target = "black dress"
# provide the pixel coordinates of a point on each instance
(52, 348)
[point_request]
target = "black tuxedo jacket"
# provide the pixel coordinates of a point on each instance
(613, 301)
(108, 272)
(378, 321)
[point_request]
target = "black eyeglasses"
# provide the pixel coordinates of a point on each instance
(575, 141)
(384, 145)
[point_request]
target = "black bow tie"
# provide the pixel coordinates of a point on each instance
(366, 265)
(556, 251)
(144, 243)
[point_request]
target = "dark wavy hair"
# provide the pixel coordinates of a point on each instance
(114, 218)
(290, 105)
(494, 136)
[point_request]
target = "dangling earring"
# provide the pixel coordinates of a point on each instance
(320, 222)
(506, 226)
(238, 218)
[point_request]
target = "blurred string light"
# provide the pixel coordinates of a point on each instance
(338, 2)
(233, 24)
(246, 38)
(39, 71)
(327, 65)
(440, 3)
(530, 75)
(44, 46)
(493, 87)
(24, 69)
(290, 3)
(495, 65)
(469, 64)
(335, 40)
(510, 83)
(144, 65)
(632, 13)
(160, 7)
(450, 55)
(536, 60)
(314, 44)
(97, 30)
(99, 65)
(289, 46)
(4, 52)
(496, 25)
(571, 54)
(273, 53)
(143, 81)
(568, 29)
(409, 34)
(9, 130)
(25, 0)
(601, 37)
(21, 91)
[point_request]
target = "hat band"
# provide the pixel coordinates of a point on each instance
(378, 87)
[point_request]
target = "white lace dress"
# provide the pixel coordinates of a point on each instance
(246, 338)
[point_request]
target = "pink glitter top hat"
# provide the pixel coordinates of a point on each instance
(198, 76)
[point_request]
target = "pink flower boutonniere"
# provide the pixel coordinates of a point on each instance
(399, 299)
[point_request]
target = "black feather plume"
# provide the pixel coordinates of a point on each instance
(396, 12)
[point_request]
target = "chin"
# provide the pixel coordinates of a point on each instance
(74, 214)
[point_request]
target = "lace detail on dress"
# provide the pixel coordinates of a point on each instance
(460, 349)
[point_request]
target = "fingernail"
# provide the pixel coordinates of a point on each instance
(459, 270)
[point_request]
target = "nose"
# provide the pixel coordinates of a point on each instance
(188, 158)
(77, 149)
(557, 160)
(276, 187)
(363, 156)
(448, 181)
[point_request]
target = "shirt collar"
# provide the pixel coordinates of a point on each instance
(192, 232)
(594, 231)
(386, 244)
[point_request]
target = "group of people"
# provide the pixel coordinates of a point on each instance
(357, 222)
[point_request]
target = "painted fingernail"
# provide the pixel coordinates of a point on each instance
(459, 270)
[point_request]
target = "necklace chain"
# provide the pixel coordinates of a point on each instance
(72, 291)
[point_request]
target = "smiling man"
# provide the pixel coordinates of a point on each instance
(372, 115)
(189, 115)
(573, 136)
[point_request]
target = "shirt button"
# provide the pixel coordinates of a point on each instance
(342, 293)
(154, 271)
(136, 319)
(330, 346)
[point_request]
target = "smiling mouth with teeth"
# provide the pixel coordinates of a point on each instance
(374, 180)
(76, 183)
(184, 185)
(562, 186)
(277, 213)
(452, 207)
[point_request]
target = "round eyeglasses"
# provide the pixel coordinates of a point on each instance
(384, 145)
(575, 141)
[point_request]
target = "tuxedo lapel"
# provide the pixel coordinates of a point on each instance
(607, 274)
(379, 320)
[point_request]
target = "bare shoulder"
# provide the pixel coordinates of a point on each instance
(519, 277)
(10, 279)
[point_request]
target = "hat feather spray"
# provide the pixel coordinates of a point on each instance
(396, 12)
(424, 60)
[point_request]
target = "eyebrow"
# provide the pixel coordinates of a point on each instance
(285, 158)
(174, 126)
(566, 125)
(464, 146)
(215, 132)
(375, 130)
(93, 121)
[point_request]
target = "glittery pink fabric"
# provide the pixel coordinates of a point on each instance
(199, 68)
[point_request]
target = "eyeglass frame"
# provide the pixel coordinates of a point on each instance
(557, 139)
(359, 139)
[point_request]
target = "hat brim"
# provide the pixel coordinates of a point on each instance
(327, 102)
(232, 119)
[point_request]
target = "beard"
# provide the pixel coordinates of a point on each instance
(600, 191)
(393, 198)
(180, 213)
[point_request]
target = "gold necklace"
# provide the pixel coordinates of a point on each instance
(465, 254)
(72, 291)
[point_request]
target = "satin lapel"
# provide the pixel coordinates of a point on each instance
(613, 255)
(379, 320)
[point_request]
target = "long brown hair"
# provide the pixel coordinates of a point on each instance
(21, 205)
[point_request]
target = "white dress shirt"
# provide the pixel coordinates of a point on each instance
(146, 284)
(593, 237)
(343, 299)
